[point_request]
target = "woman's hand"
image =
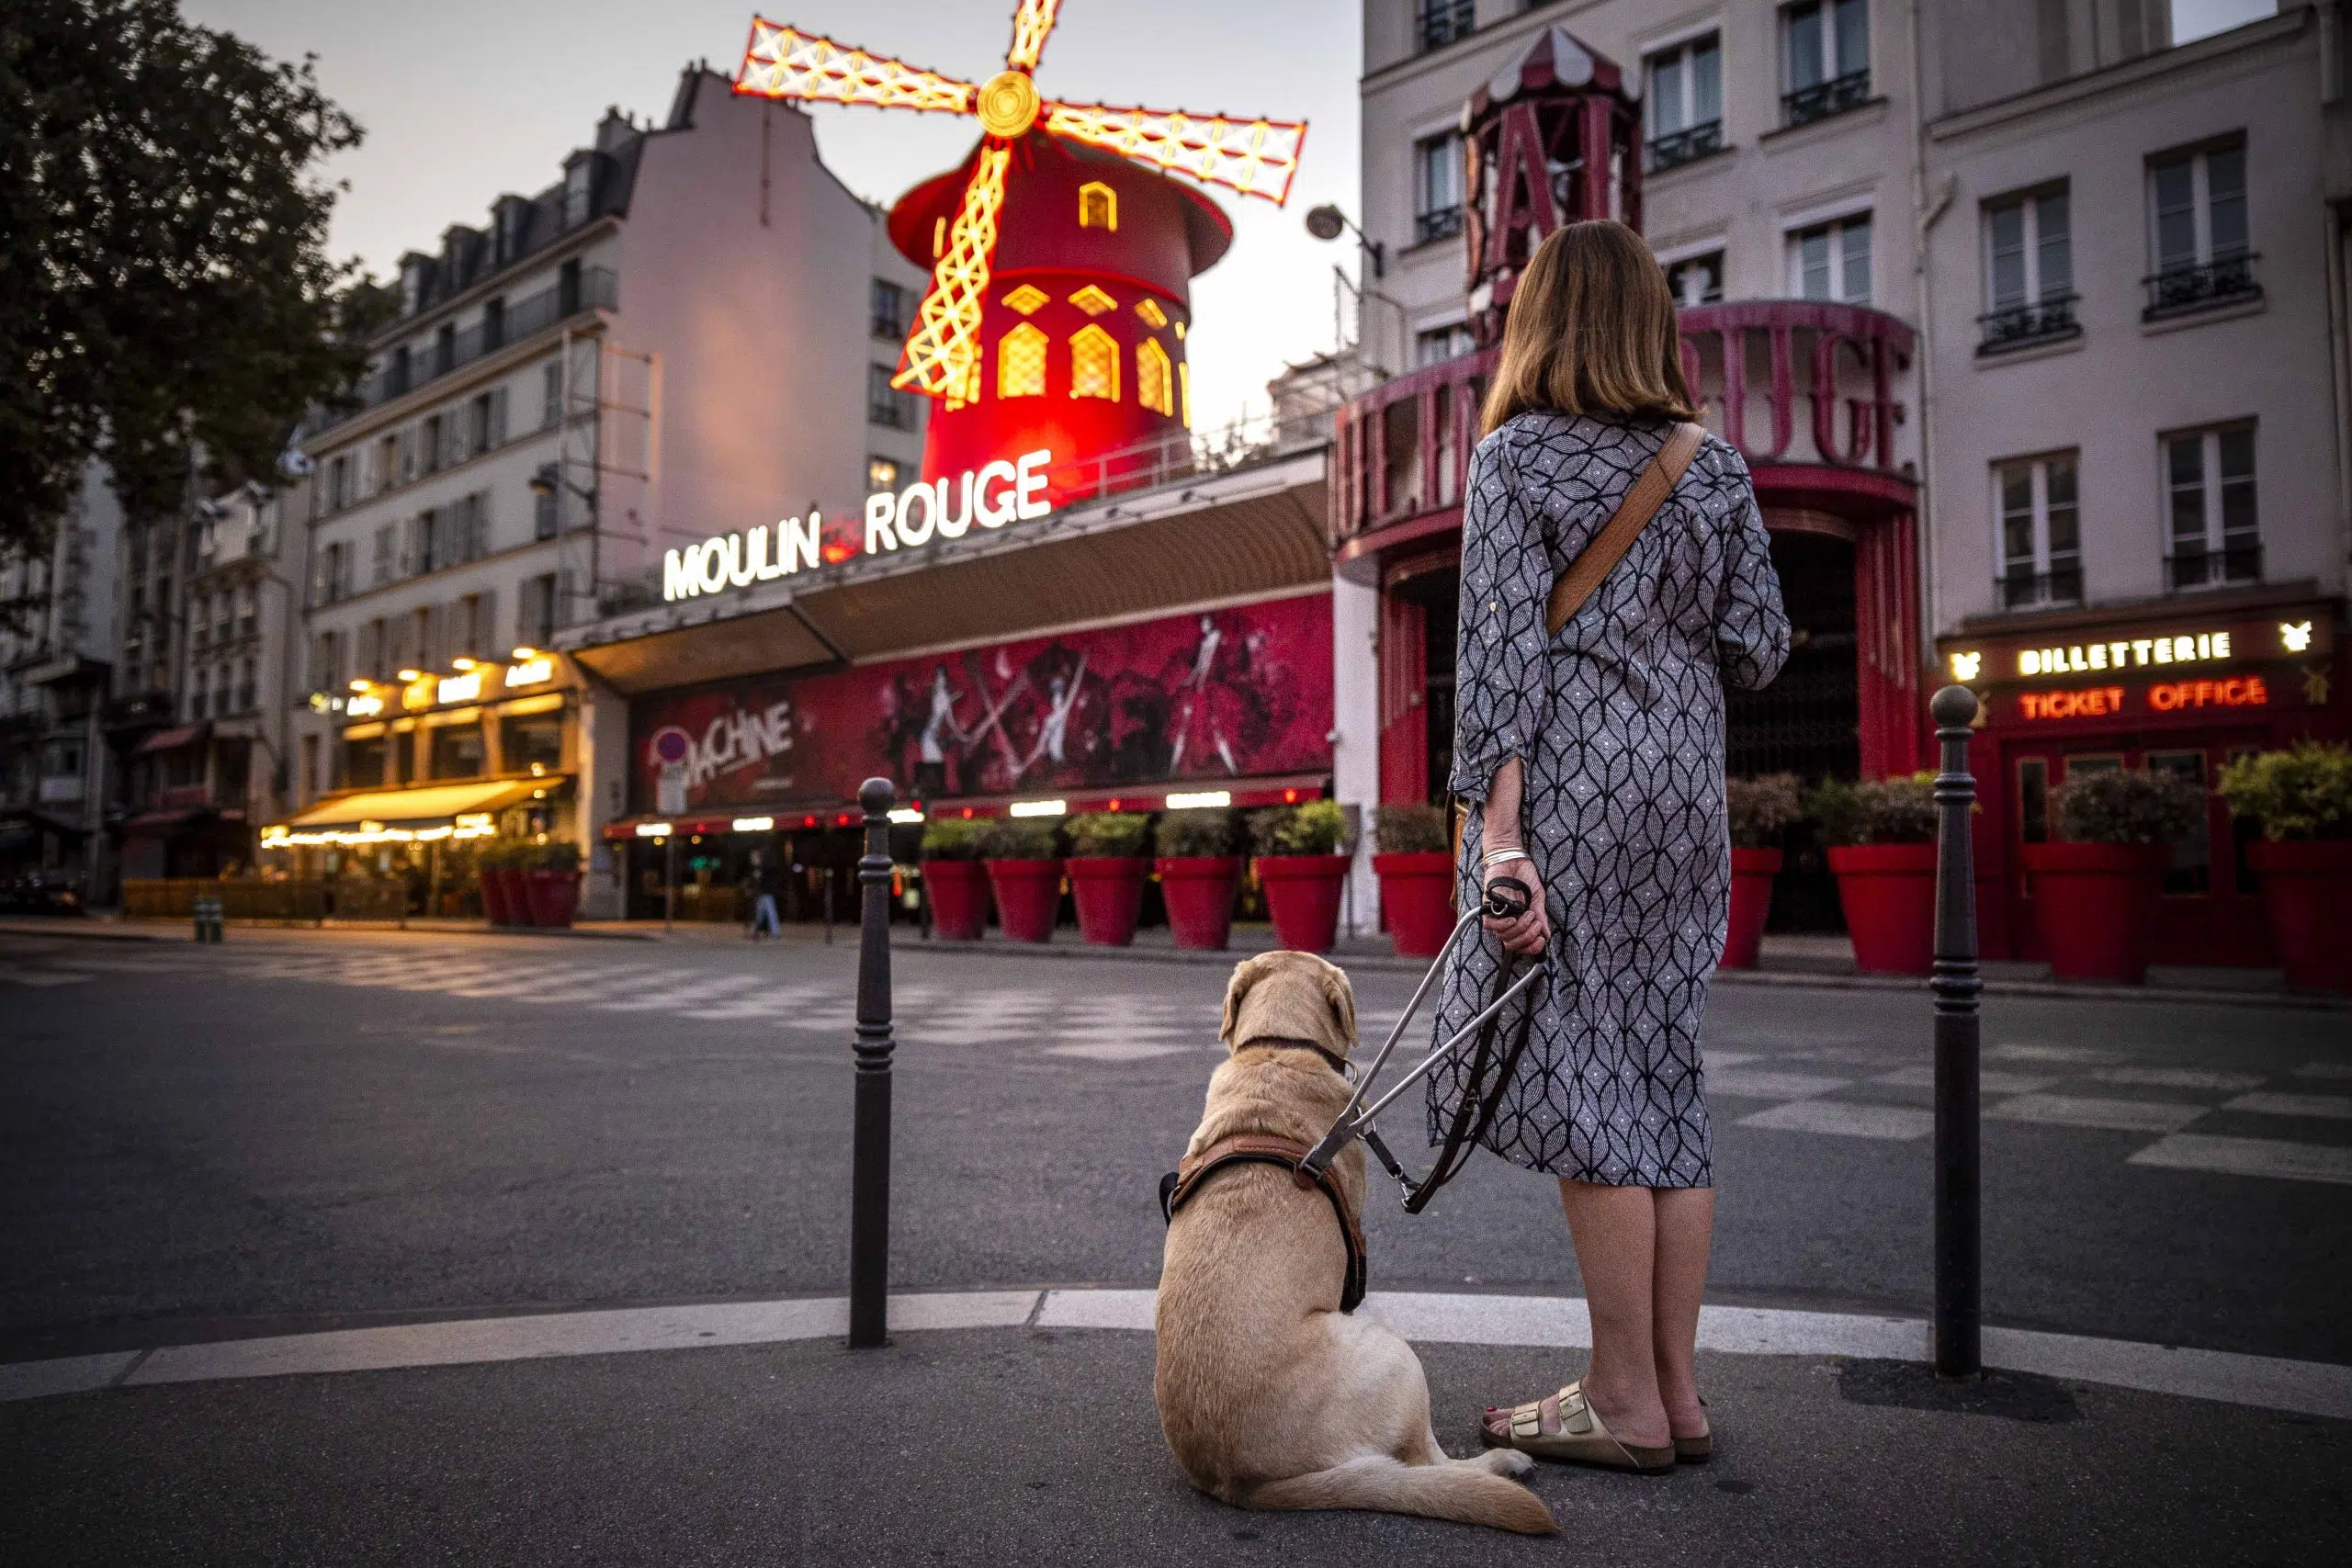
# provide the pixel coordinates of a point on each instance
(1529, 935)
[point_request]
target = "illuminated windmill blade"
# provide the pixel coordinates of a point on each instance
(1256, 157)
(1031, 24)
(783, 63)
(943, 355)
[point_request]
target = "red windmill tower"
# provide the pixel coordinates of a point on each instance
(1060, 251)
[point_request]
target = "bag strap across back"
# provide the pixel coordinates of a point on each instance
(1590, 570)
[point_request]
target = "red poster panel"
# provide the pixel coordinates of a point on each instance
(1243, 692)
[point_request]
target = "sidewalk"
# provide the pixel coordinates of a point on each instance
(1037, 1442)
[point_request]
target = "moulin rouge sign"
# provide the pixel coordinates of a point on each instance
(991, 496)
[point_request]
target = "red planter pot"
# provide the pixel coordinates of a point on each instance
(959, 899)
(552, 896)
(1888, 892)
(2306, 887)
(1417, 895)
(2096, 906)
(1303, 894)
(1109, 890)
(514, 893)
(1751, 900)
(1199, 892)
(1028, 894)
(494, 898)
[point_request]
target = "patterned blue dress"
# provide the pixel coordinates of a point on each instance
(1618, 723)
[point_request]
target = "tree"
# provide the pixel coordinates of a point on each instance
(167, 301)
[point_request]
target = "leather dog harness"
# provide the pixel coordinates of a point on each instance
(1177, 1188)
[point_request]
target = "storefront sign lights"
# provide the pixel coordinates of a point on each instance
(2170, 696)
(365, 705)
(991, 495)
(2131, 653)
(530, 671)
(461, 688)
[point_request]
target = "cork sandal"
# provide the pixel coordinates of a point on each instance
(1566, 1426)
(1698, 1449)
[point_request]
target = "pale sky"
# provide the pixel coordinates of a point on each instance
(463, 99)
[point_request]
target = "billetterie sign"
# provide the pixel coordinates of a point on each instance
(989, 497)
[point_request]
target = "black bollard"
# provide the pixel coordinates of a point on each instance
(869, 1199)
(1958, 1349)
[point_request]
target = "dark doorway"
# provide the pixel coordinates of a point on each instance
(1439, 593)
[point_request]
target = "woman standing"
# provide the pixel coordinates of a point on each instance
(1595, 761)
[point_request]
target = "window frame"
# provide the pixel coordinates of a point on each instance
(2210, 275)
(1433, 220)
(2040, 314)
(1692, 138)
(2212, 485)
(1836, 230)
(2044, 579)
(1843, 84)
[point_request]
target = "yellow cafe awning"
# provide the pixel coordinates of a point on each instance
(386, 815)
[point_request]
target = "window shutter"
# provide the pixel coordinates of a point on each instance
(498, 417)
(406, 447)
(486, 624)
(481, 522)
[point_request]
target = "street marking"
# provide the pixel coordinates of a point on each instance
(2249, 1157)
(2179, 1077)
(46, 977)
(2075, 1054)
(1707, 1059)
(2337, 1106)
(1115, 1051)
(1739, 1084)
(1994, 1082)
(2309, 1388)
(64, 1374)
(2325, 1070)
(1844, 1119)
(2082, 1111)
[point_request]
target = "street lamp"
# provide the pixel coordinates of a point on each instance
(1328, 222)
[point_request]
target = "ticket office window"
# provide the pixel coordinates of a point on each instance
(2191, 871)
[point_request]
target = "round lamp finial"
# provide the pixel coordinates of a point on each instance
(877, 796)
(1954, 707)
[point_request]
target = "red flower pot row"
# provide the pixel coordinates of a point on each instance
(2306, 887)
(1751, 900)
(513, 897)
(1888, 892)
(1417, 896)
(1199, 893)
(2096, 906)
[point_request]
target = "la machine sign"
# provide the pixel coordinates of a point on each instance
(990, 496)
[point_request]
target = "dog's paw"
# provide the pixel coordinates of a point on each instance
(1508, 1461)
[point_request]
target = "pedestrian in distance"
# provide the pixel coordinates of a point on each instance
(761, 883)
(1590, 752)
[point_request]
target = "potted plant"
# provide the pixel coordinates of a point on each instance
(1199, 873)
(2095, 888)
(1882, 839)
(551, 884)
(1416, 871)
(952, 870)
(1024, 874)
(512, 876)
(1106, 868)
(1299, 864)
(2302, 798)
(489, 865)
(1762, 809)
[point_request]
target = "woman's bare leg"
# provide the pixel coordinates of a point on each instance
(1615, 1230)
(1685, 1220)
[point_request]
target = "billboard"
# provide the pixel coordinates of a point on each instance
(1237, 693)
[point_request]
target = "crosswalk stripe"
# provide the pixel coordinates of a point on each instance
(2249, 1157)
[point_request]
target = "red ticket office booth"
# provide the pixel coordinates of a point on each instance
(2182, 687)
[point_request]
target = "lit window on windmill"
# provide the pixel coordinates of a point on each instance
(1184, 387)
(1098, 205)
(1092, 300)
(1180, 332)
(1094, 364)
(1026, 298)
(1153, 379)
(938, 237)
(1152, 314)
(1021, 363)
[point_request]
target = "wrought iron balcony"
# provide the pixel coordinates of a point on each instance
(1683, 146)
(2036, 320)
(2030, 591)
(599, 287)
(2177, 290)
(1825, 99)
(2211, 568)
(1441, 223)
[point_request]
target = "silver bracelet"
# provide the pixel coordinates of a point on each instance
(1494, 857)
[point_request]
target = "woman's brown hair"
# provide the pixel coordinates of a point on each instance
(1590, 330)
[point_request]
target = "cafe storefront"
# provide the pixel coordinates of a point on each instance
(2177, 688)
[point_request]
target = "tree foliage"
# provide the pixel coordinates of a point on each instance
(167, 301)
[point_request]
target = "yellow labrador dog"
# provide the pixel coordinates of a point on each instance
(1269, 1396)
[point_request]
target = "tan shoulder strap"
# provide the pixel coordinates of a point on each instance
(1589, 570)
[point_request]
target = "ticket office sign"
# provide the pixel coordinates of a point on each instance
(2104, 657)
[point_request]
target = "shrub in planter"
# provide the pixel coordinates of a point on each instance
(1415, 865)
(1106, 871)
(1198, 874)
(510, 870)
(1761, 811)
(551, 883)
(2302, 799)
(1882, 839)
(1024, 874)
(952, 870)
(489, 861)
(1300, 866)
(2095, 889)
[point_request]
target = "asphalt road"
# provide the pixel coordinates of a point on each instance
(312, 1129)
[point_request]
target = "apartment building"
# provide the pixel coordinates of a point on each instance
(690, 331)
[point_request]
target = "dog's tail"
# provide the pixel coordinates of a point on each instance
(1461, 1490)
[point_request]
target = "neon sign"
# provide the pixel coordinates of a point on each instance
(365, 705)
(2246, 692)
(2133, 653)
(530, 671)
(462, 688)
(2096, 701)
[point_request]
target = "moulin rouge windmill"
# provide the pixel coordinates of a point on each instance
(1059, 251)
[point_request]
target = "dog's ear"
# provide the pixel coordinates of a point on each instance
(1246, 974)
(1342, 997)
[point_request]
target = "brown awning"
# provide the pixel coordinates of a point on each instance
(170, 739)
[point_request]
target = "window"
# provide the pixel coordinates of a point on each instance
(889, 309)
(386, 555)
(458, 751)
(388, 463)
(338, 484)
(1435, 345)
(2209, 489)
(369, 661)
(546, 517)
(2192, 857)
(2197, 232)
(445, 349)
(248, 612)
(432, 439)
(1437, 186)
(1094, 364)
(1697, 280)
(245, 690)
(1824, 58)
(1437, 22)
(535, 612)
(886, 404)
(2040, 532)
(469, 627)
(1685, 102)
(494, 322)
(2029, 273)
(1098, 205)
(550, 394)
(326, 662)
(1153, 379)
(1832, 261)
(532, 743)
(478, 437)
(882, 473)
(1020, 362)
(576, 180)
(363, 762)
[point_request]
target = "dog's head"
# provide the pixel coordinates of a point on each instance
(1290, 995)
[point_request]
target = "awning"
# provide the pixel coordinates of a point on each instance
(432, 811)
(166, 820)
(170, 739)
